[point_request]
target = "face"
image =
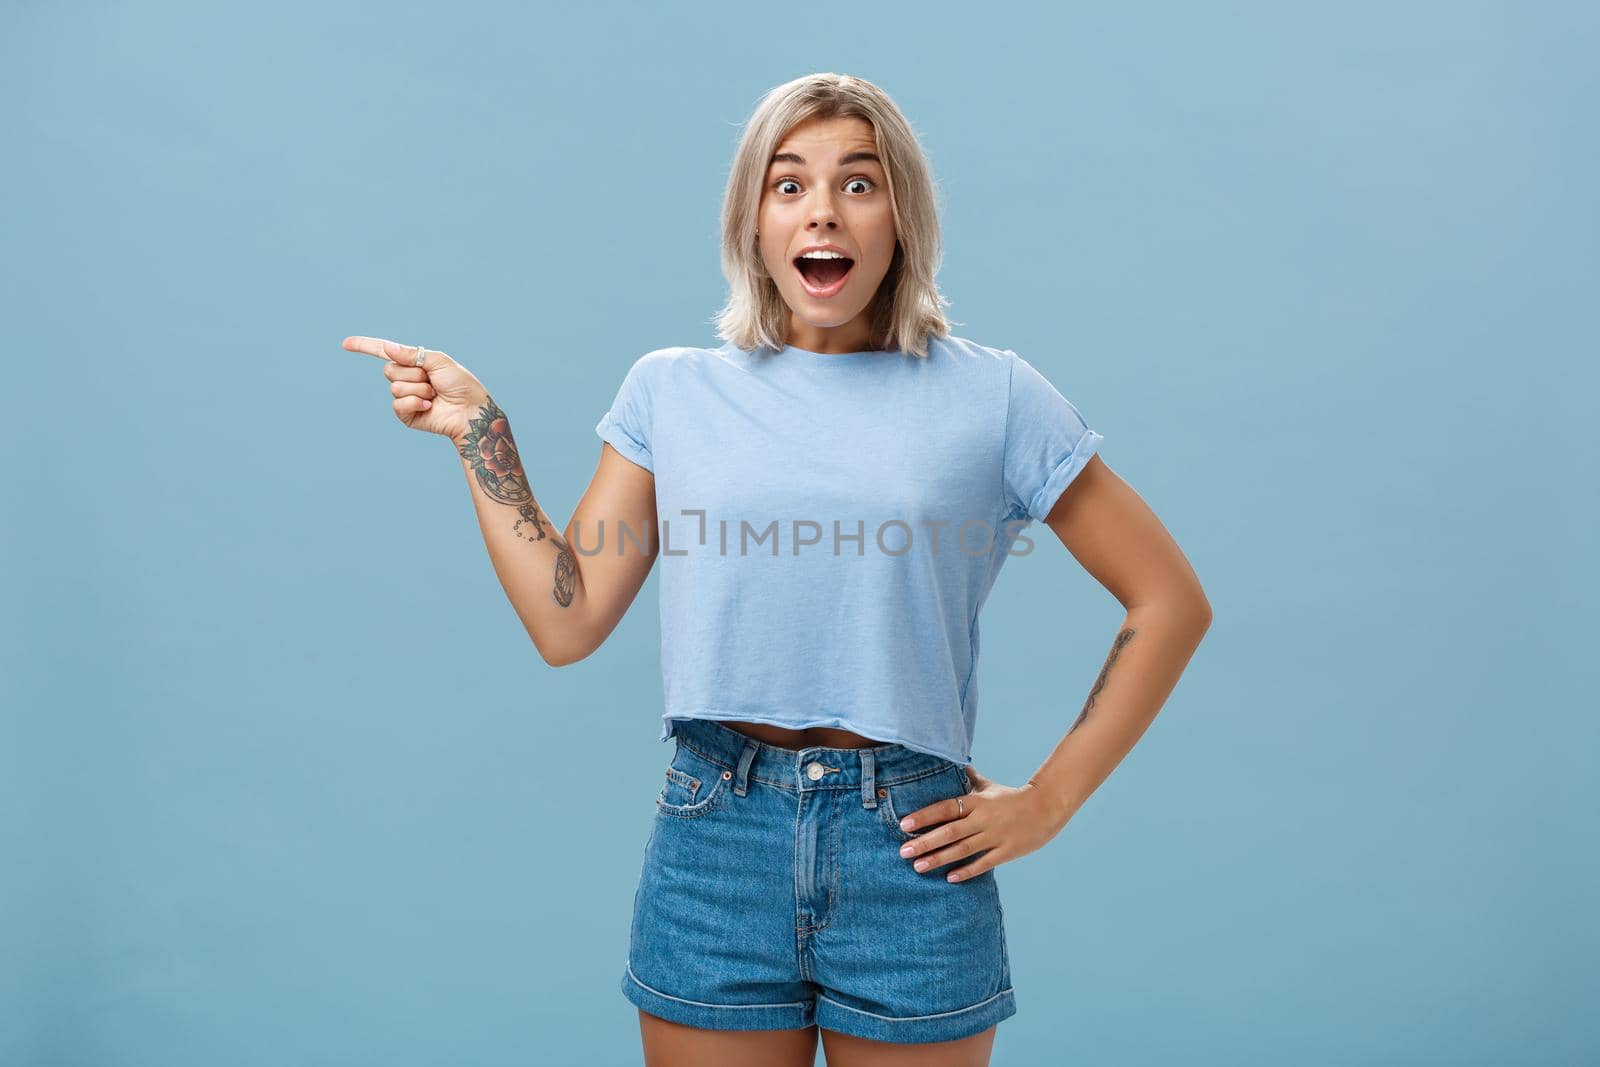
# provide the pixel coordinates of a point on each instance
(825, 186)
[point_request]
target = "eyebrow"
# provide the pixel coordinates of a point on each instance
(844, 160)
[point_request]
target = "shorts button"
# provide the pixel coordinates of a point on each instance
(726, 775)
(814, 771)
(882, 792)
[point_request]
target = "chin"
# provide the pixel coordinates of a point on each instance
(829, 323)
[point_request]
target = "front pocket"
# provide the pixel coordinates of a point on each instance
(905, 798)
(680, 790)
(694, 786)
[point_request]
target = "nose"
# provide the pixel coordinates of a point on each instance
(822, 210)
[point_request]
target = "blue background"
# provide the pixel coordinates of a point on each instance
(282, 780)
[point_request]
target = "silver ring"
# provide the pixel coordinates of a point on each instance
(419, 355)
(961, 807)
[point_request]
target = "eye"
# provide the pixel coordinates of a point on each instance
(781, 182)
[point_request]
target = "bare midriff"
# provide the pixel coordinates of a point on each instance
(811, 737)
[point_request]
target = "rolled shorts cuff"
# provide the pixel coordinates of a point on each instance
(915, 1029)
(791, 1016)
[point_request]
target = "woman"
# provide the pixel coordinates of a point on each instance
(813, 486)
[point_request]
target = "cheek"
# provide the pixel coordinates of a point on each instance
(772, 256)
(773, 237)
(879, 230)
(882, 256)
(769, 213)
(783, 276)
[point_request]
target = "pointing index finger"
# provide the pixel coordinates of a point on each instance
(393, 351)
(372, 346)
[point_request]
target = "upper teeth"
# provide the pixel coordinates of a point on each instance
(823, 254)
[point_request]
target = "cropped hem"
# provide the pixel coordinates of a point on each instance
(611, 430)
(717, 715)
(795, 1015)
(915, 1029)
(1065, 471)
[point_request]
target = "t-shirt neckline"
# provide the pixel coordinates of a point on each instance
(805, 355)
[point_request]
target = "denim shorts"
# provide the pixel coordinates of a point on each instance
(774, 896)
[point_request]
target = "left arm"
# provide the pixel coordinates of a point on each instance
(1110, 530)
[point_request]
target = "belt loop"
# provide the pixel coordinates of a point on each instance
(869, 793)
(741, 777)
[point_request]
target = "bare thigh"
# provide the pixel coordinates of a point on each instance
(670, 1044)
(846, 1050)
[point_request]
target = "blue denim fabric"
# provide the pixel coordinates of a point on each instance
(774, 896)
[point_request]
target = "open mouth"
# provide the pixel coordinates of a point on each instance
(823, 277)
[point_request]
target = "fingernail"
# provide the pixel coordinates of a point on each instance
(905, 823)
(427, 403)
(906, 851)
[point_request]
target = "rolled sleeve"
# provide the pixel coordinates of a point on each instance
(1047, 442)
(626, 425)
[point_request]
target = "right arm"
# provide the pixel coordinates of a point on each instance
(568, 602)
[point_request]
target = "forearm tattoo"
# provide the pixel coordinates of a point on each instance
(491, 452)
(1100, 683)
(566, 577)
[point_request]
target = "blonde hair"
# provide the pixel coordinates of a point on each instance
(905, 312)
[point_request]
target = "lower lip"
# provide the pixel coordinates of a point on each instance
(822, 294)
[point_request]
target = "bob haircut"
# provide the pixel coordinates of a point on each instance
(907, 310)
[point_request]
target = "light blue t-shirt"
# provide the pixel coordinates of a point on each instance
(830, 525)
